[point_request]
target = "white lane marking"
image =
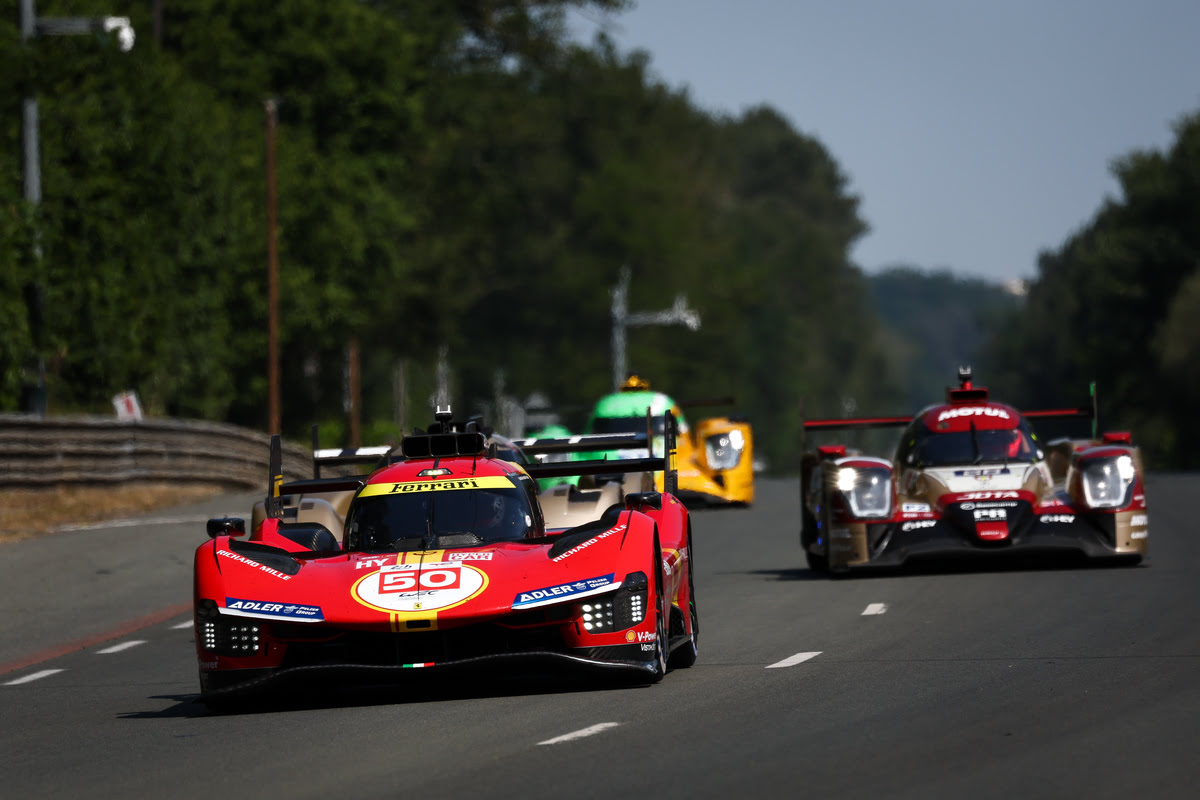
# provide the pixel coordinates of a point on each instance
(874, 608)
(792, 661)
(579, 734)
(182, 625)
(116, 648)
(35, 676)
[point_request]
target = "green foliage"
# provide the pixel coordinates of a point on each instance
(1117, 303)
(447, 174)
(934, 323)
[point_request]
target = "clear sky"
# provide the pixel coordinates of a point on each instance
(976, 132)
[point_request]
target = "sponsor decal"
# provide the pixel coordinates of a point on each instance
(840, 547)
(983, 473)
(257, 608)
(419, 587)
(588, 543)
(969, 506)
(553, 594)
(989, 496)
(915, 508)
(1139, 520)
(973, 411)
(209, 664)
(252, 563)
(921, 523)
(990, 514)
(468, 556)
(641, 636)
(646, 648)
(840, 533)
(991, 531)
(1067, 518)
(1139, 534)
(371, 563)
(457, 484)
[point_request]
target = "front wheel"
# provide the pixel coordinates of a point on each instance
(661, 645)
(684, 656)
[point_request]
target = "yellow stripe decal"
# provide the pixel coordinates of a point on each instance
(482, 482)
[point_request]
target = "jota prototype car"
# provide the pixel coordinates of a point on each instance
(969, 477)
(716, 457)
(444, 561)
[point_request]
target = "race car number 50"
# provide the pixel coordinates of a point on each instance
(440, 578)
(419, 588)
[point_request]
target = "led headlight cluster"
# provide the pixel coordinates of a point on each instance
(1106, 481)
(223, 635)
(724, 450)
(866, 490)
(226, 639)
(619, 610)
(598, 616)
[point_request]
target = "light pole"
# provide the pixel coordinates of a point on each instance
(33, 26)
(677, 314)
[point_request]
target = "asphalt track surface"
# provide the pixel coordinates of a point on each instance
(1035, 681)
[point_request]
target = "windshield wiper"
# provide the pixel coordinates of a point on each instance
(430, 536)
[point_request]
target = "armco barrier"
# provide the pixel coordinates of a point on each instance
(84, 450)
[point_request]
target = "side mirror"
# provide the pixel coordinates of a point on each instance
(226, 526)
(639, 499)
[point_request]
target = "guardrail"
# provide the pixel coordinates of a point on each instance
(85, 450)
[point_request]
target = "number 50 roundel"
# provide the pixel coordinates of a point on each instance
(419, 587)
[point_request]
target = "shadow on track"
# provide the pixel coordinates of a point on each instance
(955, 566)
(288, 694)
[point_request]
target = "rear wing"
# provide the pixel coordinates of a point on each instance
(1091, 411)
(330, 457)
(585, 443)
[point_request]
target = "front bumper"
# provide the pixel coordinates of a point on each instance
(614, 658)
(888, 545)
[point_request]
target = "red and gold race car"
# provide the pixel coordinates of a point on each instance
(970, 478)
(445, 560)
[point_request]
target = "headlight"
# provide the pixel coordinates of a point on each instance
(867, 492)
(724, 450)
(1106, 481)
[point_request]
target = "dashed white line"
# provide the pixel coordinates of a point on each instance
(116, 648)
(792, 661)
(874, 608)
(182, 625)
(32, 677)
(579, 734)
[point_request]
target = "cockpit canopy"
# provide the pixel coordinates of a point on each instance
(945, 445)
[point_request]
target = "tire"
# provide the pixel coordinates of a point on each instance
(816, 563)
(684, 656)
(661, 643)
(660, 640)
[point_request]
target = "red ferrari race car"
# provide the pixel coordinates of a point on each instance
(969, 477)
(445, 560)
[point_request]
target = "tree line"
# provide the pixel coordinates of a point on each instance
(457, 176)
(449, 174)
